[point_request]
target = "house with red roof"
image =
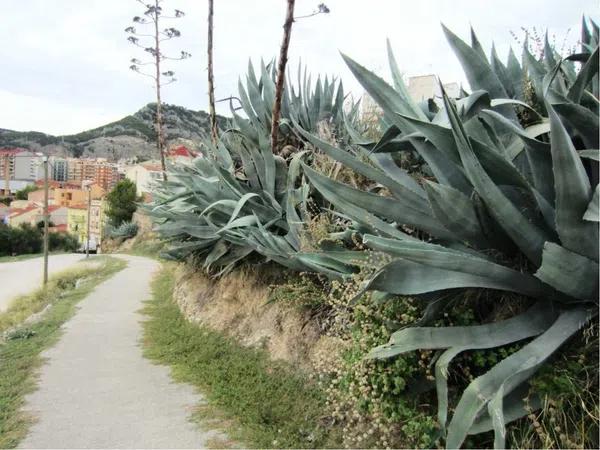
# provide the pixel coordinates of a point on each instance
(181, 151)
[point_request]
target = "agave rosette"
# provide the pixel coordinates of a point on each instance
(500, 186)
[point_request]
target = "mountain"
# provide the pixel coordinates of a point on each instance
(131, 136)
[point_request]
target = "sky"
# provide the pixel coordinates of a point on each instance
(66, 62)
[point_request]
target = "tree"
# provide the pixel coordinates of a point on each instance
(151, 44)
(122, 202)
(22, 193)
(211, 86)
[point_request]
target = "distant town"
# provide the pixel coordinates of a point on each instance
(75, 185)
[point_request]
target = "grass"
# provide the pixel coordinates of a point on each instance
(261, 402)
(23, 343)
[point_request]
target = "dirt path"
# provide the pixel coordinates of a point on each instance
(22, 277)
(97, 391)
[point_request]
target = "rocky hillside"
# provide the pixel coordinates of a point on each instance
(131, 136)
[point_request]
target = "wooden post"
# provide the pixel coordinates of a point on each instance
(287, 32)
(46, 219)
(211, 86)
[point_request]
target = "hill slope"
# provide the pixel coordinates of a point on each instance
(131, 136)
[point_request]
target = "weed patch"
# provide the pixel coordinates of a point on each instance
(265, 403)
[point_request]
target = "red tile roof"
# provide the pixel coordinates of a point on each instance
(59, 228)
(182, 150)
(52, 208)
(10, 151)
(20, 211)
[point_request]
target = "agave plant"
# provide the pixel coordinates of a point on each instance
(501, 191)
(303, 103)
(240, 199)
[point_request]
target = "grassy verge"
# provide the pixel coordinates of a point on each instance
(23, 342)
(265, 403)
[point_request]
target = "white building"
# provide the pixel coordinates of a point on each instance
(20, 164)
(143, 175)
(424, 87)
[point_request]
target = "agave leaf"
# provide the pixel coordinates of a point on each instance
(444, 170)
(573, 193)
(591, 214)
(395, 209)
(585, 75)
(568, 272)
(533, 322)
(457, 267)
(584, 121)
(514, 407)
(511, 372)
(456, 212)
(589, 154)
(400, 86)
(383, 94)
(478, 71)
(398, 189)
(509, 101)
(515, 73)
(219, 250)
(528, 237)
(440, 137)
(501, 72)
(386, 163)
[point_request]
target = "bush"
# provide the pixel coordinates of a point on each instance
(125, 230)
(26, 239)
(62, 241)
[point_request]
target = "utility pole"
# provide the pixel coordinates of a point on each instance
(46, 219)
(89, 206)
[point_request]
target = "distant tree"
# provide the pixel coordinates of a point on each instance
(121, 202)
(22, 193)
(151, 42)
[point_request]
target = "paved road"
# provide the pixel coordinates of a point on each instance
(21, 277)
(97, 391)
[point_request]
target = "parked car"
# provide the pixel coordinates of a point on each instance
(93, 246)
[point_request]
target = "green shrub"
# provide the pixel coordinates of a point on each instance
(125, 230)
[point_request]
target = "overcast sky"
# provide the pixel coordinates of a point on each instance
(65, 62)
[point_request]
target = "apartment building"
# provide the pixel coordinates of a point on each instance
(59, 168)
(20, 164)
(68, 197)
(77, 221)
(100, 171)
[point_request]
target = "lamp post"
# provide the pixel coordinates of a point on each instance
(46, 218)
(89, 205)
